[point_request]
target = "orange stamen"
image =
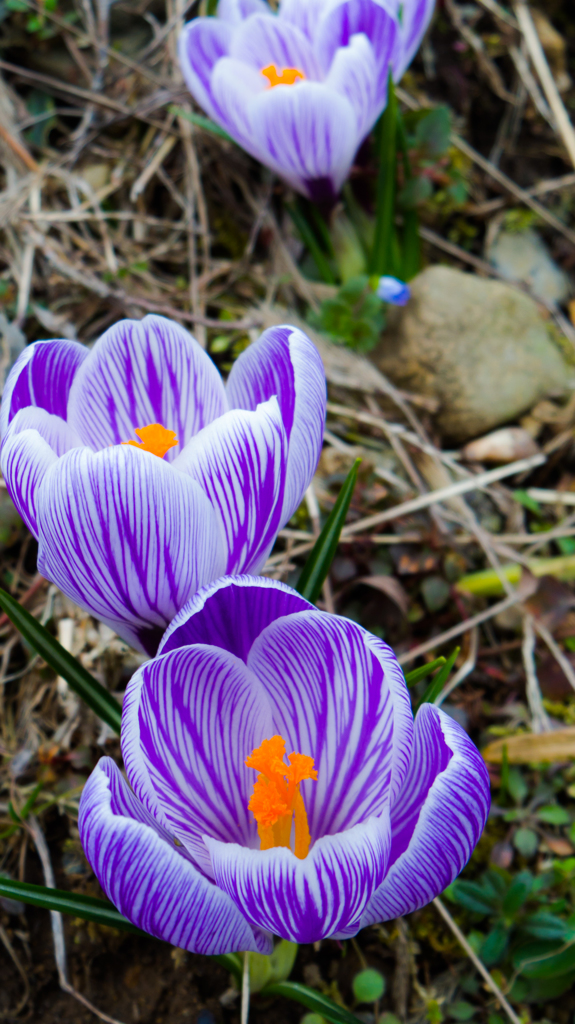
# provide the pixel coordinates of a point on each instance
(276, 798)
(154, 439)
(287, 76)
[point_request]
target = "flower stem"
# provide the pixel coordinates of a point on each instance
(245, 990)
(382, 256)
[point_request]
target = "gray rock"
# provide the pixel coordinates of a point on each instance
(480, 347)
(523, 256)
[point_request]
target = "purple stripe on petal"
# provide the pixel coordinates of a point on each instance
(190, 719)
(403, 732)
(285, 363)
(354, 74)
(42, 375)
(305, 900)
(265, 39)
(55, 431)
(303, 14)
(202, 43)
(305, 131)
(232, 613)
(141, 372)
(26, 458)
(436, 821)
(235, 11)
(147, 878)
(240, 463)
(235, 86)
(331, 699)
(135, 538)
(374, 18)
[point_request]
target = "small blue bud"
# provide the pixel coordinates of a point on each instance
(390, 289)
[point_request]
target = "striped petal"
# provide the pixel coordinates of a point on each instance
(202, 43)
(149, 880)
(240, 463)
(264, 39)
(354, 74)
(190, 719)
(344, 703)
(308, 135)
(285, 363)
(235, 11)
(343, 19)
(231, 613)
(141, 372)
(127, 537)
(56, 432)
(42, 375)
(415, 17)
(26, 458)
(437, 818)
(305, 900)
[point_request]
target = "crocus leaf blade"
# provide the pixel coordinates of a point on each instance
(417, 674)
(321, 556)
(86, 907)
(436, 685)
(315, 1001)
(78, 679)
(232, 962)
(201, 122)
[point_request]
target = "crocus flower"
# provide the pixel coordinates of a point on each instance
(393, 291)
(131, 529)
(302, 88)
(219, 842)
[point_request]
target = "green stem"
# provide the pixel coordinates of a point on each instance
(411, 263)
(309, 239)
(382, 253)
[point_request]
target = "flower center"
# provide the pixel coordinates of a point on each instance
(287, 76)
(154, 439)
(276, 798)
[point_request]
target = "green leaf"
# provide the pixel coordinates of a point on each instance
(553, 815)
(368, 986)
(495, 945)
(526, 841)
(309, 239)
(545, 926)
(437, 684)
(266, 970)
(315, 1001)
(472, 896)
(544, 959)
(321, 556)
(386, 134)
(233, 962)
(516, 785)
(86, 907)
(200, 121)
(462, 1010)
(416, 674)
(518, 892)
(354, 317)
(84, 684)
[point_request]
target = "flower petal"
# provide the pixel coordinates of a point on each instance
(343, 19)
(415, 18)
(354, 74)
(263, 39)
(305, 900)
(127, 537)
(201, 44)
(240, 462)
(190, 719)
(236, 10)
(234, 86)
(437, 818)
(56, 432)
(284, 362)
(231, 613)
(302, 14)
(148, 880)
(141, 372)
(26, 458)
(333, 699)
(42, 375)
(308, 135)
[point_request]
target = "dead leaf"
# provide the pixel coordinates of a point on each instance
(560, 847)
(528, 748)
(389, 586)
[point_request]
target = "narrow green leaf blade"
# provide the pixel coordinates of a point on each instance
(86, 907)
(417, 674)
(309, 239)
(321, 556)
(436, 685)
(232, 962)
(78, 679)
(201, 122)
(382, 261)
(314, 1001)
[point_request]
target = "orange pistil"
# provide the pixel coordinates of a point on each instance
(287, 76)
(276, 798)
(154, 439)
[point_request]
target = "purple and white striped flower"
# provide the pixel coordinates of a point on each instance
(385, 820)
(131, 530)
(302, 88)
